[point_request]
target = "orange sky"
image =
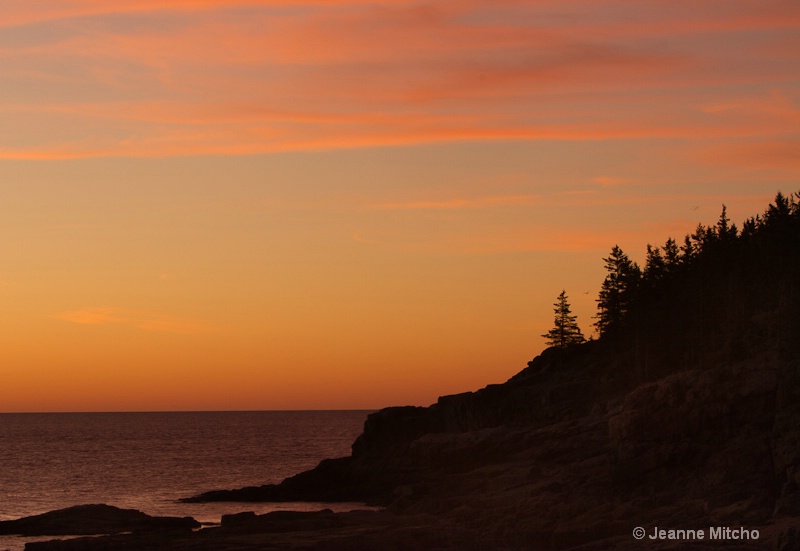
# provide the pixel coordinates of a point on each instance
(354, 204)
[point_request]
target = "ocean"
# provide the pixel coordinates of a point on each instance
(147, 461)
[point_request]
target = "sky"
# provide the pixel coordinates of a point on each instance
(352, 204)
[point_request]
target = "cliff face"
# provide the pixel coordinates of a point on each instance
(717, 447)
(569, 453)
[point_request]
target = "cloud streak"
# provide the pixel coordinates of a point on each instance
(453, 204)
(138, 319)
(160, 78)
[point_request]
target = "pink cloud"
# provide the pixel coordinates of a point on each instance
(209, 80)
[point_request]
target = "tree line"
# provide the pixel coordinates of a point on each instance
(722, 289)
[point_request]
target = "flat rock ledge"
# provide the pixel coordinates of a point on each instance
(96, 519)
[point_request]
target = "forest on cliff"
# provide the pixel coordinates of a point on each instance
(722, 294)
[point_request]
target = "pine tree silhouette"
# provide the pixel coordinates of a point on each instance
(617, 291)
(565, 332)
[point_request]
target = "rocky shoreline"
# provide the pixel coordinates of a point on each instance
(568, 454)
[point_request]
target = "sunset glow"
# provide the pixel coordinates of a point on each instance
(332, 204)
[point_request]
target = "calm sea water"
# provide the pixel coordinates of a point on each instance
(147, 461)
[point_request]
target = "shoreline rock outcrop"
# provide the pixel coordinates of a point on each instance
(93, 520)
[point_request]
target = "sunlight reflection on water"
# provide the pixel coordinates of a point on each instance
(146, 461)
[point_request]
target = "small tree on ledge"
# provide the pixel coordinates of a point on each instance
(566, 331)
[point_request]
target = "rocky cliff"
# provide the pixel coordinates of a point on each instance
(572, 453)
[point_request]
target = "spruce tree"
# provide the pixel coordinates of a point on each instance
(655, 265)
(617, 291)
(565, 332)
(672, 255)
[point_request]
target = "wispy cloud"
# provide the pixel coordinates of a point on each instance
(451, 227)
(778, 155)
(610, 181)
(138, 319)
(158, 78)
(546, 239)
(94, 316)
(451, 204)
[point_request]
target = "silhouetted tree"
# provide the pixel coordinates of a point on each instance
(701, 238)
(750, 227)
(721, 295)
(565, 332)
(655, 265)
(617, 291)
(687, 250)
(779, 212)
(726, 232)
(672, 255)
